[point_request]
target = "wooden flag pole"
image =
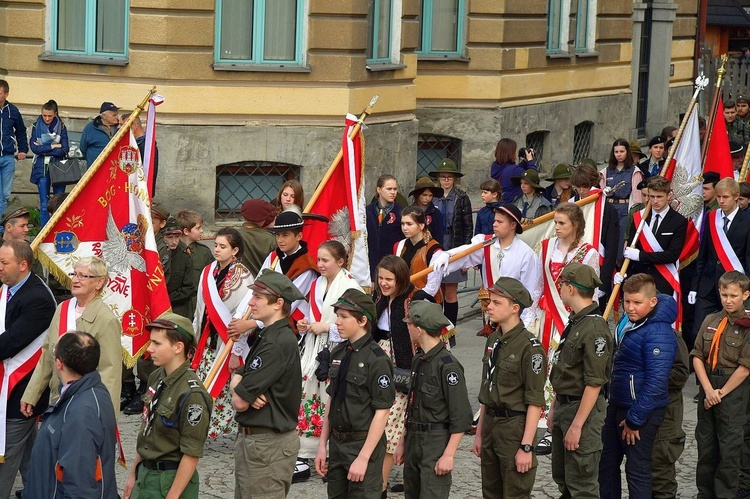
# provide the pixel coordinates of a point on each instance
(222, 357)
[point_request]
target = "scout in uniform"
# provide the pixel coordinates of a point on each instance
(439, 412)
(177, 413)
(512, 396)
(266, 394)
(580, 367)
(361, 394)
(721, 360)
(182, 283)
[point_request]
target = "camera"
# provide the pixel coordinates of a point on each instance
(522, 152)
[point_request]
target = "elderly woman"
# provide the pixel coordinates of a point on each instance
(85, 312)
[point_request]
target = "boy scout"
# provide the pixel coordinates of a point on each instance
(439, 411)
(182, 283)
(512, 396)
(266, 394)
(580, 367)
(360, 397)
(721, 360)
(178, 411)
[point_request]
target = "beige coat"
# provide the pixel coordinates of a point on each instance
(97, 320)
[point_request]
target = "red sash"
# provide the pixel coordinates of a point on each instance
(487, 274)
(315, 313)
(724, 250)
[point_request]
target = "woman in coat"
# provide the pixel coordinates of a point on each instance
(49, 142)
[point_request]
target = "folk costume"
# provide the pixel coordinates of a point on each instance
(418, 257)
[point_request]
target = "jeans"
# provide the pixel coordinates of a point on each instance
(7, 171)
(43, 185)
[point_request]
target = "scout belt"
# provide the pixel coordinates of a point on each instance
(502, 413)
(344, 436)
(726, 371)
(617, 200)
(257, 430)
(160, 465)
(567, 399)
(414, 426)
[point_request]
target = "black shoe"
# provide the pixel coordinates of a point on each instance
(126, 394)
(135, 406)
(399, 487)
(301, 471)
(544, 447)
(19, 494)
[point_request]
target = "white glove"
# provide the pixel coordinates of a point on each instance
(619, 278)
(691, 297)
(440, 261)
(608, 191)
(632, 254)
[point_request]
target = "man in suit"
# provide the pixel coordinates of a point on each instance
(658, 248)
(26, 310)
(728, 229)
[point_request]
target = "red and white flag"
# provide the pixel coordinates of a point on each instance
(719, 156)
(111, 219)
(149, 152)
(342, 201)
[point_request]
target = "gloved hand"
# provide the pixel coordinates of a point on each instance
(632, 254)
(691, 297)
(440, 261)
(619, 278)
(608, 191)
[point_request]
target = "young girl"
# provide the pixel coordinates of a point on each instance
(418, 249)
(49, 142)
(422, 196)
(383, 222)
(490, 193)
(222, 288)
(531, 202)
(319, 324)
(361, 393)
(291, 193)
(560, 191)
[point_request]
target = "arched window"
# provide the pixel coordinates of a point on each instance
(582, 141)
(238, 182)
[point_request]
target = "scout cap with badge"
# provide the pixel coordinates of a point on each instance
(172, 228)
(561, 171)
(656, 140)
(446, 166)
(175, 322)
(509, 210)
(581, 276)
(711, 178)
(531, 176)
(428, 316)
(272, 283)
(426, 183)
(14, 211)
(513, 290)
(355, 300)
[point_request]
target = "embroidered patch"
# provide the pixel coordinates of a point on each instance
(384, 381)
(657, 351)
(600, 344)
(452, 378)
(256, 363)
(336, 362)
(536, 363)
(194, 414)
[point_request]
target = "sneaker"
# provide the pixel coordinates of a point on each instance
(301, 471)
(135, 406)
(399, 487)
(19, 494)
(544, 447)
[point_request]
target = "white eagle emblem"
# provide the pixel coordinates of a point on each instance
(599, 346)
(256, 363)
(123, 246)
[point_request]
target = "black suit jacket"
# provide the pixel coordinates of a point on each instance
(671, 235)
(27, 315)
(709, 269)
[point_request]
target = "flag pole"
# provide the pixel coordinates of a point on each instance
(714, 104)
(125, 128)
(700, 83)
(222, 357)
(745, 164)
(476, 247)
(331, 169)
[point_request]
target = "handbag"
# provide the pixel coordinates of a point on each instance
(66, 171)
(401, 375)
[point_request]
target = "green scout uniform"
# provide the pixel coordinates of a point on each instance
(718, 434)
(163, 249)
(178, 416)
(737, 131)
(182, 284)
(368, 387)
(201, 256)
(670, 438)
(583, 358)
(258, 244)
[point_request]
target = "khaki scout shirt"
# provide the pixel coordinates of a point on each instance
(517, 378)
(585, 357)
(734, 349)
(183, 413)
(438, 390)
(369, 385)
(272, 369)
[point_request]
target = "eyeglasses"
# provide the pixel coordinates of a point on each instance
(82, 277)
(445, 177)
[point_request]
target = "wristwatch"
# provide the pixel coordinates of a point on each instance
(526, 447)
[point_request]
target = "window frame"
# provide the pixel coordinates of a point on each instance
(90, 39)
(425, 34)
(394, 42)
(562, 8)
(259, 40)
(590, 41)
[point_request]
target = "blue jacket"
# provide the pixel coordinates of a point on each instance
(40, 151)
(11, 125)
(485, 221)
(94, 139)
(642, 362)
(382, 236)
(74, 452)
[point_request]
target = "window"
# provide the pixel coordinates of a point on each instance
(432, 149)
(90, 27)
(238, 182)
(441, 27)
(582, 141)
(259, 32)
(558, 26)
(384, 31)
(586, 26)
(535, 140)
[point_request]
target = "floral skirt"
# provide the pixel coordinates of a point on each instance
(222, 416)
(310, 417)
(394, 428)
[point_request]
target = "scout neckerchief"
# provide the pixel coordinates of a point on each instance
(340, 389)
(151, 410)
(725, 252)
(493, 351)
(713, 351)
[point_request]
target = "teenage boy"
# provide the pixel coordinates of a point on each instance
(645, 349)
(721, 359)
(735, 128)
(176, 420)
(182, 284)
(580, 368)
(159, 217)
(192, 232)
(266, 394)
(710, 179)
(511, 396)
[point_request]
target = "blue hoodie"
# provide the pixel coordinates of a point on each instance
(642, 362)
(11, 126)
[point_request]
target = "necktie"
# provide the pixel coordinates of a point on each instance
(525, 207)
(654, 169)
(656, 223)
(726, 224)
(151, 414)
(10, 294)
(713, 350)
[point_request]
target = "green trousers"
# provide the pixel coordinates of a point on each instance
(501, 438)
(152, 484)
(340, 456)
(422, 451)
(668, 447)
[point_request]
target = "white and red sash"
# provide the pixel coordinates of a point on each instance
(724, 250)
(14, 369)
(316, 303)
(68, 316)
(490, 270)
(551, 302)
(669, 271)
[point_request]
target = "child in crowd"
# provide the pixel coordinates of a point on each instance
(182, 283)
(560, 191)
(424, 192)
(491, 193)
(418, 249)
(531, 202)
(291, 193)
(192, 232)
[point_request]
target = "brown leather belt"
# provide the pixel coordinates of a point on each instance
(257, 430)
(617, 201)
(348, 436)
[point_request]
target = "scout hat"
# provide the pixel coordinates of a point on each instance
(736, 149)
(289, 219)
(588, 161)
(159, 211)
(656, 140)
(427, 315)
(446, 166)
(172, 227)
(426, 183)
(14, 211)
(711, 178)
(357, 301)
(273, 283)
(561, 171)
(513, 290)
(510, 210)
(258, 211)
(581, 276)
(531, 176)
(170, 320)
(741, 98)
(636, 148)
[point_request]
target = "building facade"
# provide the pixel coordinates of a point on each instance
(256, 92)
